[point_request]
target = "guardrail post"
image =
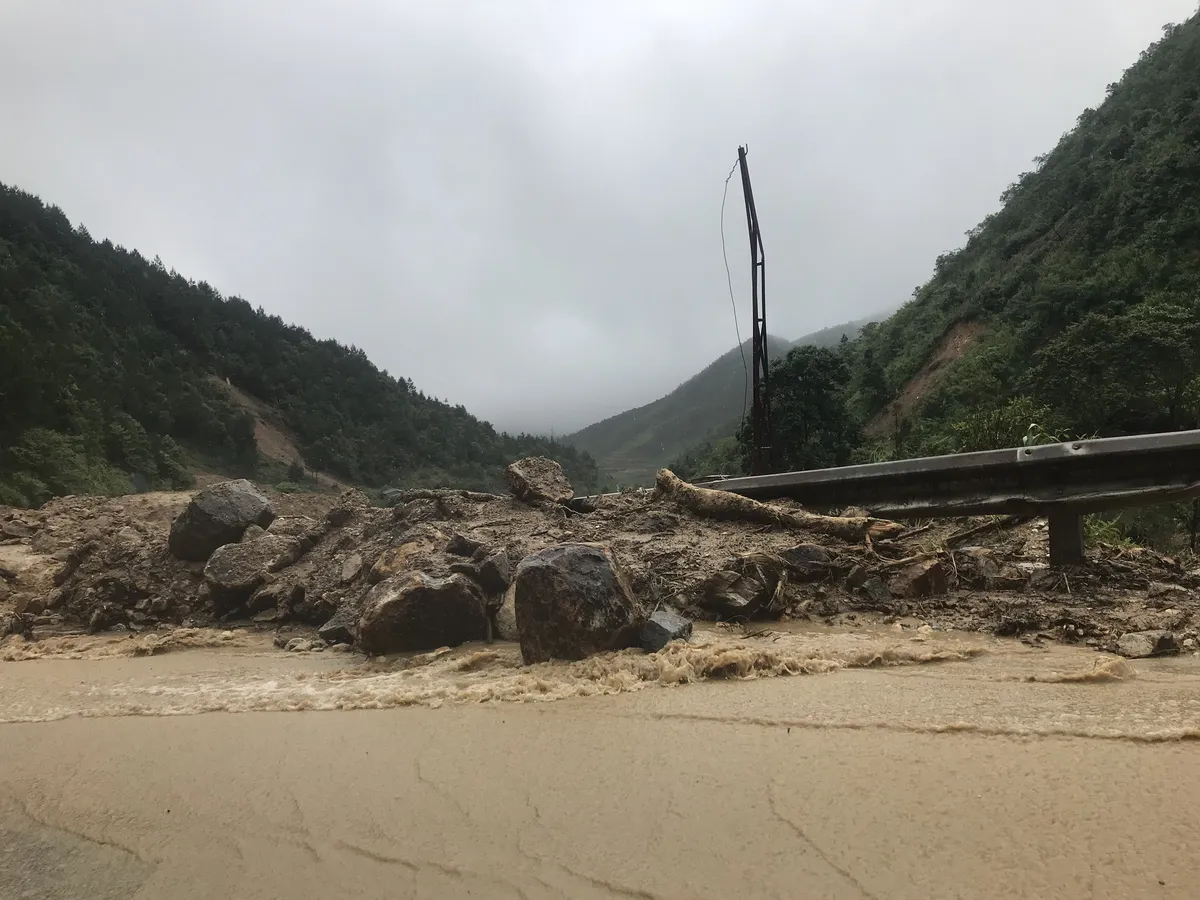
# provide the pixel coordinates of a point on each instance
(1066, 537)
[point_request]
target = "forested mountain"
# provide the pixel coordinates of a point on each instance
(1079, 298)
(1072, 311)
(631, 446)
(107, 371)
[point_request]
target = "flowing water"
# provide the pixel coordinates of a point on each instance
(809, 763)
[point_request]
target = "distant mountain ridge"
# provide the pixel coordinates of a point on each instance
(631, 446)
(115, 372)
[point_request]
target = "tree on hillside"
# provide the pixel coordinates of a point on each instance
(111, 366)
(1124, 373)
(810, 423)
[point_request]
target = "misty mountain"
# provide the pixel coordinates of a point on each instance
(631, 446)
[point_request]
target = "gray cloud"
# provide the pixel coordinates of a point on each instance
(516, 204)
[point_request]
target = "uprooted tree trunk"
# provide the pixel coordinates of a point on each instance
(725, 505)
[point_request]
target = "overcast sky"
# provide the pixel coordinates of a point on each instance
(517, 203)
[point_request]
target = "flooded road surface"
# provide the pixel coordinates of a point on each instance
(891, 765)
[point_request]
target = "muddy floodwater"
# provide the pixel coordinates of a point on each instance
(812, 763)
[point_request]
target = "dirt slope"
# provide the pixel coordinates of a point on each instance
(274, 440)
(954, 343)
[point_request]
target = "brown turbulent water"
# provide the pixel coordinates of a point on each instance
(893, 765)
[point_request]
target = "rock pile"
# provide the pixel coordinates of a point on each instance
(563, 578)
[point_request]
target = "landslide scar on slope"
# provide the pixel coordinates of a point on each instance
(957, 340)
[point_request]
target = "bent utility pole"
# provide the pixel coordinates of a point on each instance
(760, 453)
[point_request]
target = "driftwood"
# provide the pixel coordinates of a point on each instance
(725, 505)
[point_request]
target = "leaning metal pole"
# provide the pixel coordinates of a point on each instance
(760, 419)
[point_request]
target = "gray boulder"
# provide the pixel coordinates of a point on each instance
(218, 515)
(573, 600)
(538, 479)
(877, 594)
(495, 574)
(235, 570)
(415, 611)
(341, 627)
(661, 628)
(1140, 644)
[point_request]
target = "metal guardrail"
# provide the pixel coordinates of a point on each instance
(1060, 481)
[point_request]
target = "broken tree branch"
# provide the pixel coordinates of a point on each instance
(1003, 522)
(725, 505)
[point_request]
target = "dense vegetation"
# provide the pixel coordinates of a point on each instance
(633, 445)
(110, 374)
(1083, 291)
(1087, 279)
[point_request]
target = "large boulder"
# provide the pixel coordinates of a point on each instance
(235, 570)
(573, 600)
(416, 611)
(537, 479)
(218, 515)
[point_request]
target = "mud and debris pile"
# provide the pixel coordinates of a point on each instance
(441, 567)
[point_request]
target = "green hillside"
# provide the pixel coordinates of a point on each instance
(631, 446)
(1072, 311)
(1080, 298)
(110, 374)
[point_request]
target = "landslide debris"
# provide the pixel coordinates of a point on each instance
(444, 566)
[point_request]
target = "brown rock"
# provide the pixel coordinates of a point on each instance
(977, 568)
(573, 600)
(416, 611)
(350, 503)
(504, 620)
(282, 594)
(539, 479)
(926, 578)
(235, 570)
(15, 529)
(292, 526)
(730, 594)
(351, 568)
(461, 545)
(27, 603)
(414, 552)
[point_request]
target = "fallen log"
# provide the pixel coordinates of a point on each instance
(725, 505)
